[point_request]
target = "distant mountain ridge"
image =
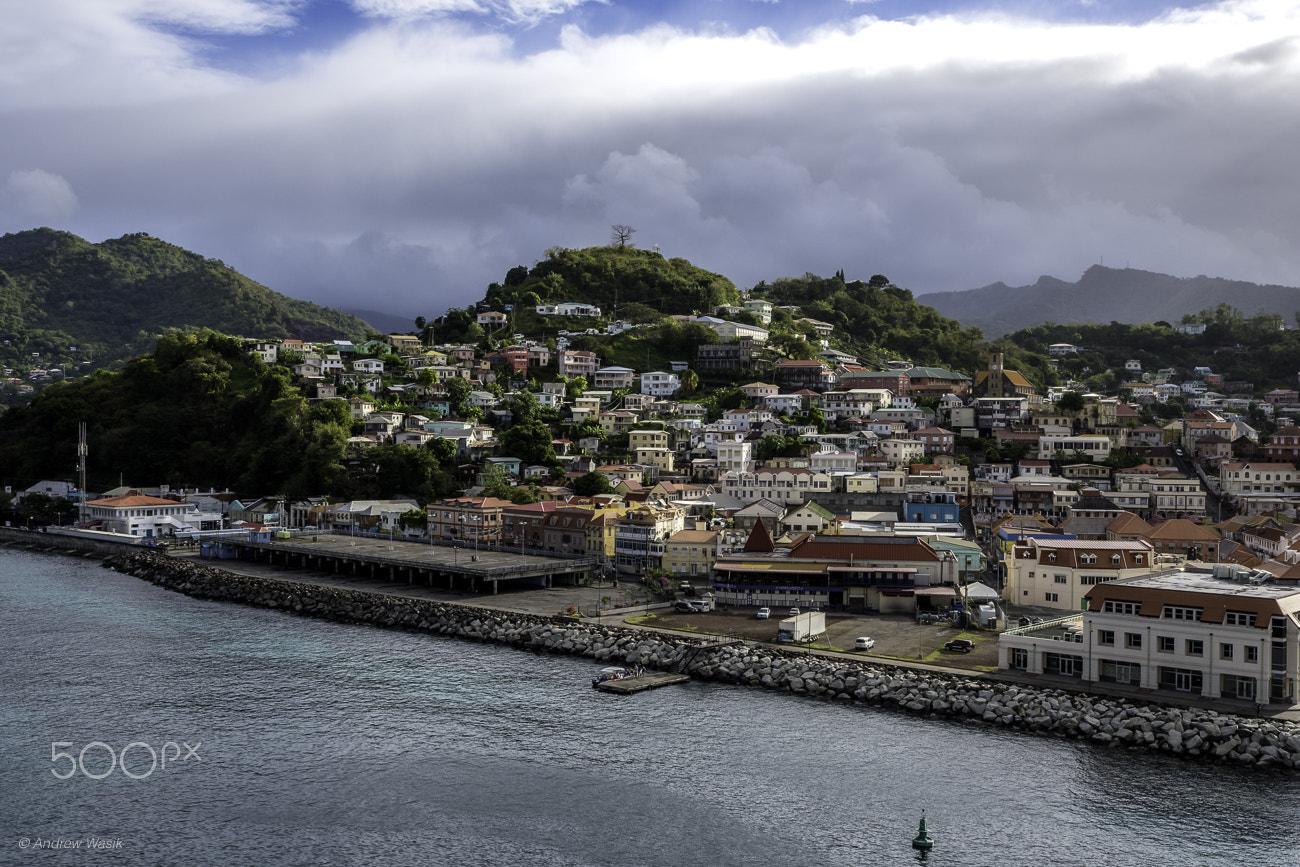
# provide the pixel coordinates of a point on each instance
(111, 300)
(1107, 295)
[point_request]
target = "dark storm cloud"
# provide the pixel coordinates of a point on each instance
(418, 162)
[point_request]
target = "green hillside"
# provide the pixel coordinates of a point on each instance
(112, 300)
(613, 278)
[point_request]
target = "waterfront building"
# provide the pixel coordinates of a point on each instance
(471, 519)
(888, 574)
(640, 539)
(135, 514)
(691, 553)
(1211, 632)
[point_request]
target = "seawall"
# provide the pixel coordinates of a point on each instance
(1110, 722)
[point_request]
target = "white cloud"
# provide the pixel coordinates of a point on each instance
(36, 197)
(509, 10)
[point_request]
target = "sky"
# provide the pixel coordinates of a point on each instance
(400, 155)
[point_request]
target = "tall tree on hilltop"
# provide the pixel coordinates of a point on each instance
(620, 235)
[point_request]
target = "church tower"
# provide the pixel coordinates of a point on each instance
(996, 386)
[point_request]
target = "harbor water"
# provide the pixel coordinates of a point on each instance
(140, 726)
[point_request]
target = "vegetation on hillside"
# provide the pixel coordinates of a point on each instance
(875, 320)
(1244, 349)
(111, 300)
(201, 412)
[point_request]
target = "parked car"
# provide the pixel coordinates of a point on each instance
(864, 643)
(794, 612)
(764, 613)
(682, 606)
(960, 645)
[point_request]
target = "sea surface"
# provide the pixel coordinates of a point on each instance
(304, 742)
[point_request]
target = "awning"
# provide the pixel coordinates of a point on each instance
(935, 591)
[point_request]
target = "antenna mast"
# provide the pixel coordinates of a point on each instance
(82, 450)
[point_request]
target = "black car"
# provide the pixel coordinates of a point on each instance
(960, 645)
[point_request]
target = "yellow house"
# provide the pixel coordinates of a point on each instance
(691, 552)
(647, 439)
(661, 458)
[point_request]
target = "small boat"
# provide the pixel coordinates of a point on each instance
(616, 672)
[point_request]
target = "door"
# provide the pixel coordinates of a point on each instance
(1183, 681)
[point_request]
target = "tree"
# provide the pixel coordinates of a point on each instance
(530, 442)
(458, 390)
(620, 235)
(690, 382)
(1070, 402)
(525, 407)
(592, 484)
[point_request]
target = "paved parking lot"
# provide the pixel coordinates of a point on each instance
(897, 636)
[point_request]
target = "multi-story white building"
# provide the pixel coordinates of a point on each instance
(901, 452)
(660, 384)
(783, 486)
(729, 331)
(640, 539)
(138, 515)
(1254, 477)
(1174, 494)
(1215, 633)
(833, 463)
(735, 456)
(1057, 573)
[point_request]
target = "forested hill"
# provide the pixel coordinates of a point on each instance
(111, 300)
(609, 277)
(1107, 295)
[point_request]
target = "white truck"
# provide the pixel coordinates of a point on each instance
(802, 628)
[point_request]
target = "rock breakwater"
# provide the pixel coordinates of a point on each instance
(1108, 722)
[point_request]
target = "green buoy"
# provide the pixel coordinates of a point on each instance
(922, 840)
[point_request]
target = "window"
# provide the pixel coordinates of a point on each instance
(1195, 647)
(1133, 640)
(1059, 579)
(1252, 654)
(1052, 597)
(1113, 607)
(1105, 636)
(1165, 643)
(1225, 651)
(1178, 612)
(1238, 618)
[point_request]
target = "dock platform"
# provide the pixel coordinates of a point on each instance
(651, 680)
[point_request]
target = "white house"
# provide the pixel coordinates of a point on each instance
(660, 384)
